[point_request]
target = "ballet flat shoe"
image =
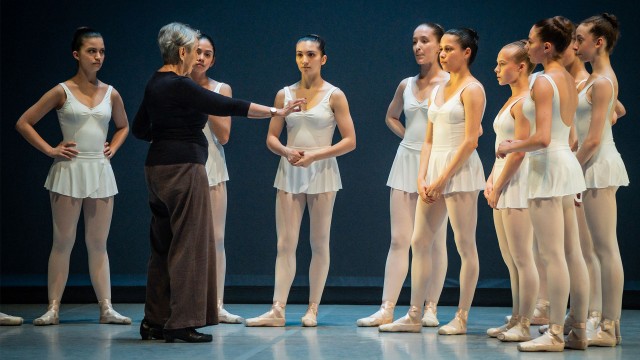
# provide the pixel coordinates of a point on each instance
(383, 316)
(517, 333)
(430, 317)
(408, 323)
(605, 334)
(272, 318)
(51, 317)
(189, 335)
(457, 326)
(568, 321)
(540, 314)
(149, 331)
(593, 320)
(109, 316)
(494, 332)
(225, 317)
(310, 318)
(618, 334)
(551, 340)
(8, 320)
(577, 337)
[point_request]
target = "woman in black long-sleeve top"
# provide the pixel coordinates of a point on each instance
(181, 295)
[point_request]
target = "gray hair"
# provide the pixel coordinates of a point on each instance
(174, 36)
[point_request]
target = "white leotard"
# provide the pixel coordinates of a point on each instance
(605, 168)
(89, 174)
(216, 165)
(309, 130)
(448, 133)
(554, 170)
(514, 194)
(404, 171)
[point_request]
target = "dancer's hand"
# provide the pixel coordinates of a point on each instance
(488, 187)
(293, 155)
(292, 106)
(305, 160)
(107, 151)
(503, 149)
(434, 191)
(422, 189)
(64, 150)
(493, 198)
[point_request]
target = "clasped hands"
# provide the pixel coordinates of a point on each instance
(432, 192)
(299, 157)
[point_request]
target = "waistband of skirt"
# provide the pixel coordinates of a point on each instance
(553, 146)
(412, 145)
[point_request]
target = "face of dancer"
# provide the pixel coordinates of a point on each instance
(309, 57)
(425, 45)
(205, 57)
(91, 54)
(452, 56)
(569, 55)
(507, 69)
(586, 44)
(535, 46)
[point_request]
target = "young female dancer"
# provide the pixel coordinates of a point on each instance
(307, 175)
(506, 193)
(449, 179)
(411, 97)
(603, 167)
(217, 132)
(554, 177)
(81, 177)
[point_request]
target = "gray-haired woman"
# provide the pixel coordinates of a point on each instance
(180, 295)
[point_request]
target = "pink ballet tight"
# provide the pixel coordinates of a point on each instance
(97, 220)
(515, 237)
(218, 197)
(289, 211)
(462, 209)
(402, 210)
(556, 230)
(601, 213)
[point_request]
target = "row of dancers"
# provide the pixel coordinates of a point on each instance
(532, 185)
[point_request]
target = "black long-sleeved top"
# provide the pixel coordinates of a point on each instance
(172, 115)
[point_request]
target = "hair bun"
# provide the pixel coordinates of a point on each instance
(612, 19)
(473, 33)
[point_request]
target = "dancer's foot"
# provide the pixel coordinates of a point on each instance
(51, 316)
(605, 334)
(109, 316)
(517, 333)
(457, 326)
(310, 318)
(8, 320)
(272, 318)
(577, 337)
(494, 332)
(408, 323)
(383, 316)
(541, 313)
(549, 341)
(226, 317)
(186, 334)
(593, 320)
(430, 318)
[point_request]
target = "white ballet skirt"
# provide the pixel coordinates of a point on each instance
(309, 130)
(515, 193)
(448, 133)
(404, 171)
(216, 165)
(605, 168)
(553, 171)
(89, 174)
